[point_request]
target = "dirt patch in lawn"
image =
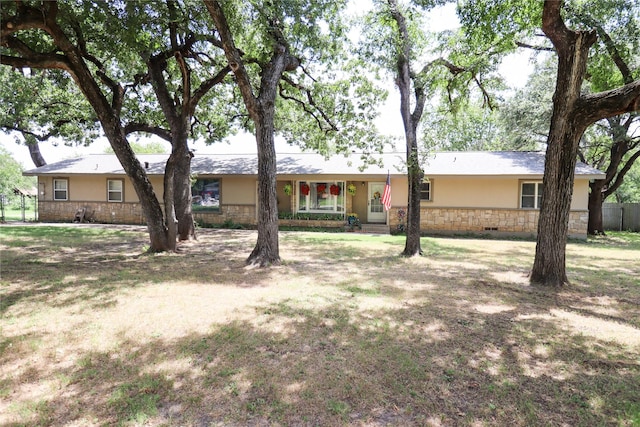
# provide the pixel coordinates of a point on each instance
(344, 332)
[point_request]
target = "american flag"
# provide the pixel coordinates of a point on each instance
(386, 195)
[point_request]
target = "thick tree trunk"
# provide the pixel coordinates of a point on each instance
(261, 109)
(36, 156)
(407, 85)
(159, 239)
(572, 113)
(567, 127)
(171, 222)
(549, 266)
(182, 185)
(177, 117)
(412, 245)
(267, 251)
(183, 207)
(596, 199)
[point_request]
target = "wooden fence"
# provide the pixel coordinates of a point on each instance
(621, 216)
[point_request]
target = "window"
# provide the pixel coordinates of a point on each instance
(425, 191)
(205, 195)
(321, 197)
(60, 189)
(115, 190)
(531, 195)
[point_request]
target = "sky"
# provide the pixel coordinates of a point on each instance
(515, 68)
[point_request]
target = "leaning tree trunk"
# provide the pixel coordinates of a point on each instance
(160, 241)
(36, 156)
(113, 130)
(266, 252)
(158, 236)
(70, 58)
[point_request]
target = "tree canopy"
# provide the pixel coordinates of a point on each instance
(289, 73)
(11, 174)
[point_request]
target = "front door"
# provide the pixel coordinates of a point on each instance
(376, 211)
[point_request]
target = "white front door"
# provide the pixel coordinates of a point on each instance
(376, 212)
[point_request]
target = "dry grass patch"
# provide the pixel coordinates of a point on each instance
(345, 332)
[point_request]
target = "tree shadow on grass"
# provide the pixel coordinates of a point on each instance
(402, 342)
(421, 364)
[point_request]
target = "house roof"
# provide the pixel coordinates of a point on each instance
(460, 163)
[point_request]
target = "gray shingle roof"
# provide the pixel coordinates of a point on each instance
(467, 163)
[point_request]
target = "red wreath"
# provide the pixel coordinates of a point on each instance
(321, 188)
(334, 190)
(304, 189)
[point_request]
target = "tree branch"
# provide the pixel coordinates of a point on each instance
(185, 72)
(23, 131)
(611, 47)
(455, 70)
(621, 174)
(156, 65)
(206, 86)
(310, 101)
(233, 55)
(552, 24)
(40, 61)
(610, 103)
(533, 47)
(142, 127)
(82, 46)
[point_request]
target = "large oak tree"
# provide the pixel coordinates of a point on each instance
(274, 64)
(509, 24)
(171, 54)
(44, 106)
(573, 112)
(397, 41)
(48, 36)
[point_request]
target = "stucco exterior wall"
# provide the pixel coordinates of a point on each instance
(89, 188)
(580, 198)
(488, 192)
(458, 204)
(237, 190)
(476, 192)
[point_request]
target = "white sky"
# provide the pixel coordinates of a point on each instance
(515, 68)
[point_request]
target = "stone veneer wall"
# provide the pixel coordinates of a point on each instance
(470, 220)
(239, 214)
(110, 213)
(131, 213)
(445, 220)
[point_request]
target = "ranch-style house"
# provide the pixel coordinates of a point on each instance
(462, 192)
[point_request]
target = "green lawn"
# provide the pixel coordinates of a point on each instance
(345, 332)
(14, 213)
